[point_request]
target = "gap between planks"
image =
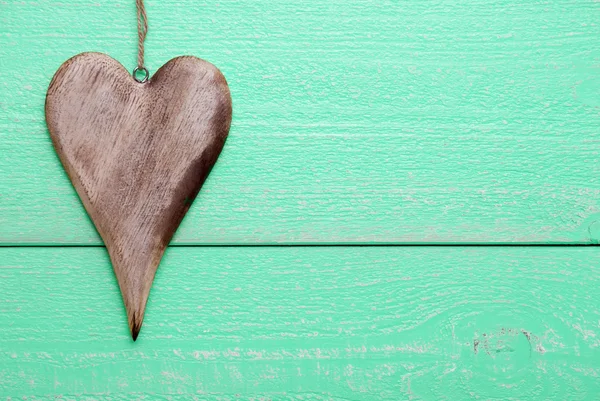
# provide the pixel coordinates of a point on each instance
(321, 245)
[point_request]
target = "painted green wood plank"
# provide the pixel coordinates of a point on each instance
(301, 323)
(355, 122)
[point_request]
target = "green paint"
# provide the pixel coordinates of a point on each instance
(354, 122)
(341, 323)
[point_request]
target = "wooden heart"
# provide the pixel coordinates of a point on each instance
(137, 154)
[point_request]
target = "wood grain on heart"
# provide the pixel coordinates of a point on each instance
(137, 154)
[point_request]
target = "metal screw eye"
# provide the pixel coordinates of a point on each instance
(146, 74)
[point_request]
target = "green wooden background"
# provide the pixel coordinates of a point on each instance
(385, 123)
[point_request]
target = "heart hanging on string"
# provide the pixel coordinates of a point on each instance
(137, 151)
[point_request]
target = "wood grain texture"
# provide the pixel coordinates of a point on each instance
(306, 323)
(137, 154)
(356, 122)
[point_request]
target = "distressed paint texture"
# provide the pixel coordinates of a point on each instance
(354, 121)
(302, 323)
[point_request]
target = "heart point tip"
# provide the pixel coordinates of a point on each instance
(135, 329)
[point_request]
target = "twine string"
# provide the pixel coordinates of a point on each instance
(142, 22)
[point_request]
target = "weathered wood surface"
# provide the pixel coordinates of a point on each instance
(300, 323)
(354, 122)
(137, 154)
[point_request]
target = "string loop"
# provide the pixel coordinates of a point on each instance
(142, 22)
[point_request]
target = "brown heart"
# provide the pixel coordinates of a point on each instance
(137, 154)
